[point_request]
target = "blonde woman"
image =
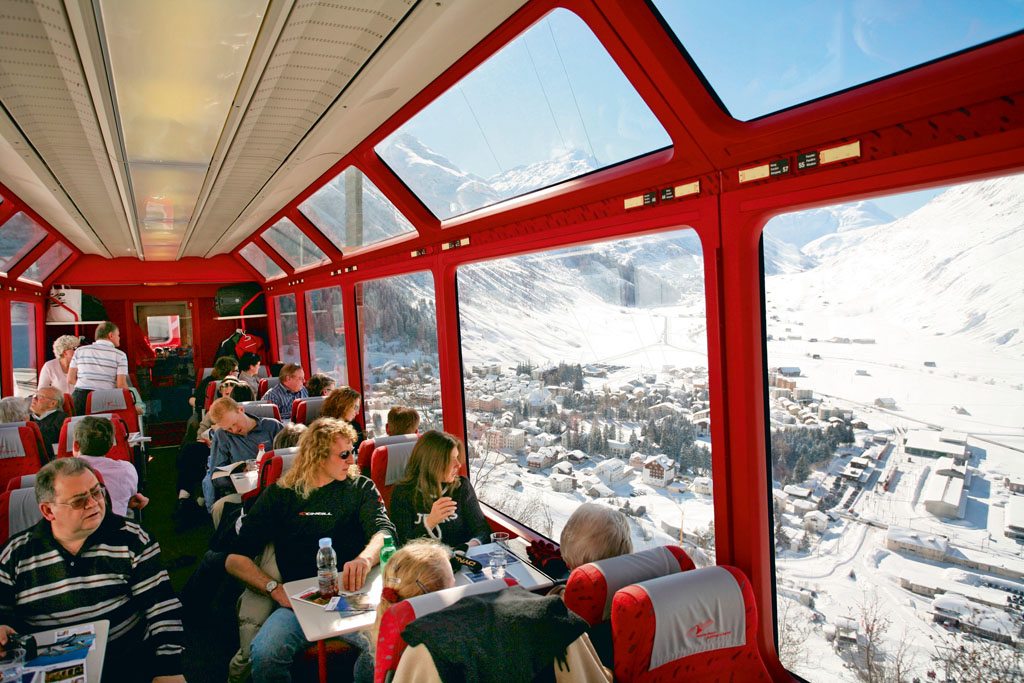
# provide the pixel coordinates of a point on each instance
(419, 568)
(433, 501)
(321, 496)
(55, 372)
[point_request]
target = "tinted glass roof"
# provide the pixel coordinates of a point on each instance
(261, 262)
(46, 264)
(18, 236)
(762, 57)
(291, 243)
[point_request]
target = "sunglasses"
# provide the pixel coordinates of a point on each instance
(96, 493)
(345, 455)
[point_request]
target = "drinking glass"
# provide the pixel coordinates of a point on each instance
(498, 557)
(11, 665)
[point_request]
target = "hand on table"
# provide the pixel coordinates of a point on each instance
(354, 573)
(5, 632)
(280, 597)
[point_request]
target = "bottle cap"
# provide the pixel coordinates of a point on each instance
(325, 542)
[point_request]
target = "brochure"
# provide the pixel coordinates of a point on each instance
(63, 659)
(229, 469)
(345, 602)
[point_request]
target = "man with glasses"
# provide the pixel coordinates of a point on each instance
(46, 412)
(80, 564)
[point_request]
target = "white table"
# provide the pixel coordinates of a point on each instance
(245, 481)
(525, 574)
(94, 660)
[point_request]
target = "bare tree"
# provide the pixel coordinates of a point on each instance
(794, 631)
(482, 469)
(529, 509)
(958, 658)
(870, 660)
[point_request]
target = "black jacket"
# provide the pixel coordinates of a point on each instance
(467, 524)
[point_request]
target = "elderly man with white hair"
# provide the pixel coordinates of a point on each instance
(55, 372)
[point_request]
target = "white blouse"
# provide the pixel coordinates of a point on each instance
(53, 376)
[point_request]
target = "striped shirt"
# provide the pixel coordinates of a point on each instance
(98, 365)
(116, 575)
(281, 396)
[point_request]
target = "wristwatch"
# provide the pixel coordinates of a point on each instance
(271, 586)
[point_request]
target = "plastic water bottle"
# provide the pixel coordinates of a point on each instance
(327, 569)
(387, 551)
(260, 452)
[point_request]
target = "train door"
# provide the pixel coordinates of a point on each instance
(168, 380)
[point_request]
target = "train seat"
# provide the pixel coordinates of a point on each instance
(262, 372)
(273, 467)
(45, 450)
(206, 373)
(261, 409)
(698, 625)
(266, 384)
(389, 639)
(116, 401)
(120, 451)
(367, 447)
(305, 410)
(69, 405)
(388, 463)
(19, 450)
(24, 481)
(18, 511)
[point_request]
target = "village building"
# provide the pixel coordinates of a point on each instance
(929, 546)
(542, 459)
(619, 448)
(636, 460)
(797, 491)
(658, 470)
(701, 485)
(612, 471)
(886, 402)
(505, 439)
(562, 483)
(599, 490)
(951, 609)
(930, 444)
(816, 521)
(563, 467)
(1013, 518)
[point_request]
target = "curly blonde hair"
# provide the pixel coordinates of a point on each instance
(422, 566)
(314, 449)
(65, 342)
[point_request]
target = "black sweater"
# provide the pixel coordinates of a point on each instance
(467, 523)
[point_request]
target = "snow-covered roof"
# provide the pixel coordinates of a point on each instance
(797, 491)
(661, 460)
(977, 615)
(944, 489)
(816, 515)
(1014, 515)
(930, 440)
(919, 539)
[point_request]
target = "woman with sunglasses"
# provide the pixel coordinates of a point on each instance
(321, 496)
(433, 500)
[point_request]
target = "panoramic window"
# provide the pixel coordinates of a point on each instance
(593, 388)
(23, 348)
(896, 403)
(263, 264)
(287, 322)
(325, 327)
(46, 264)
(292, 244)
(763, 57)
(398, 338)
(352, 212)
(18, 236)
(549, 106)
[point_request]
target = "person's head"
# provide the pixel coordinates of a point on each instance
(224, 366)
(93, 436)
(342, 403)
(249, 363)
(402, 420)
(421, 566)
(45, 400)
(64, 346)
(320, 384)
(326, 453)
(70, 498)
(292, 376)
(434, 465)
(229, 416)
(13, 409)
(242, 392)
(289, 436)
(594, 532)
(226, 387)
(109, 331)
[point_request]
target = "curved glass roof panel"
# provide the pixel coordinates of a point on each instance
(18, 236)
(261, 262)
(46, 264)
(762, 57)
(549, 106)
(293, 244)
(351, 212)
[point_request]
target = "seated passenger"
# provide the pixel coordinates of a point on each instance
(402, 420)
(223, 367)
(237, 437)
(107, 568)
(320, 385)
(419, 568)
(433, 501)
(343, 404)
(321, 496)
(290, 388)
(248, 371)
(46, 412)
(94, 437)
(13, 409)
(289, 436)
(594, 532)
(240, 391)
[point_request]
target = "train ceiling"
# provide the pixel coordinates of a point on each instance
(169, 130)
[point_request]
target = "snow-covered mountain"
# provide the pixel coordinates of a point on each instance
(806, 226)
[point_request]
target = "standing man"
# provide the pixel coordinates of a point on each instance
(46, 412)
(100, 365)
(292, 377)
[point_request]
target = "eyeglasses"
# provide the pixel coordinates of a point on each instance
(96, 493)
(40, 397)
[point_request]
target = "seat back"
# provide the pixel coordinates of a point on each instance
(305, 410)
(266, 384)
(24, 481)
(388, 463)
(262, 372)
(261, 409)
(699, 625)
(116, 401)
(389, 638)
(120, 450)
(19, 450)
(367, 447)
(591, 587)
(45, 450)
(211, 394)
(18, 511)
(69, 405)
(206, 373)
(272, 468)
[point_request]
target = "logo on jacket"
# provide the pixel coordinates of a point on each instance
(307, 513)
(705, 629)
